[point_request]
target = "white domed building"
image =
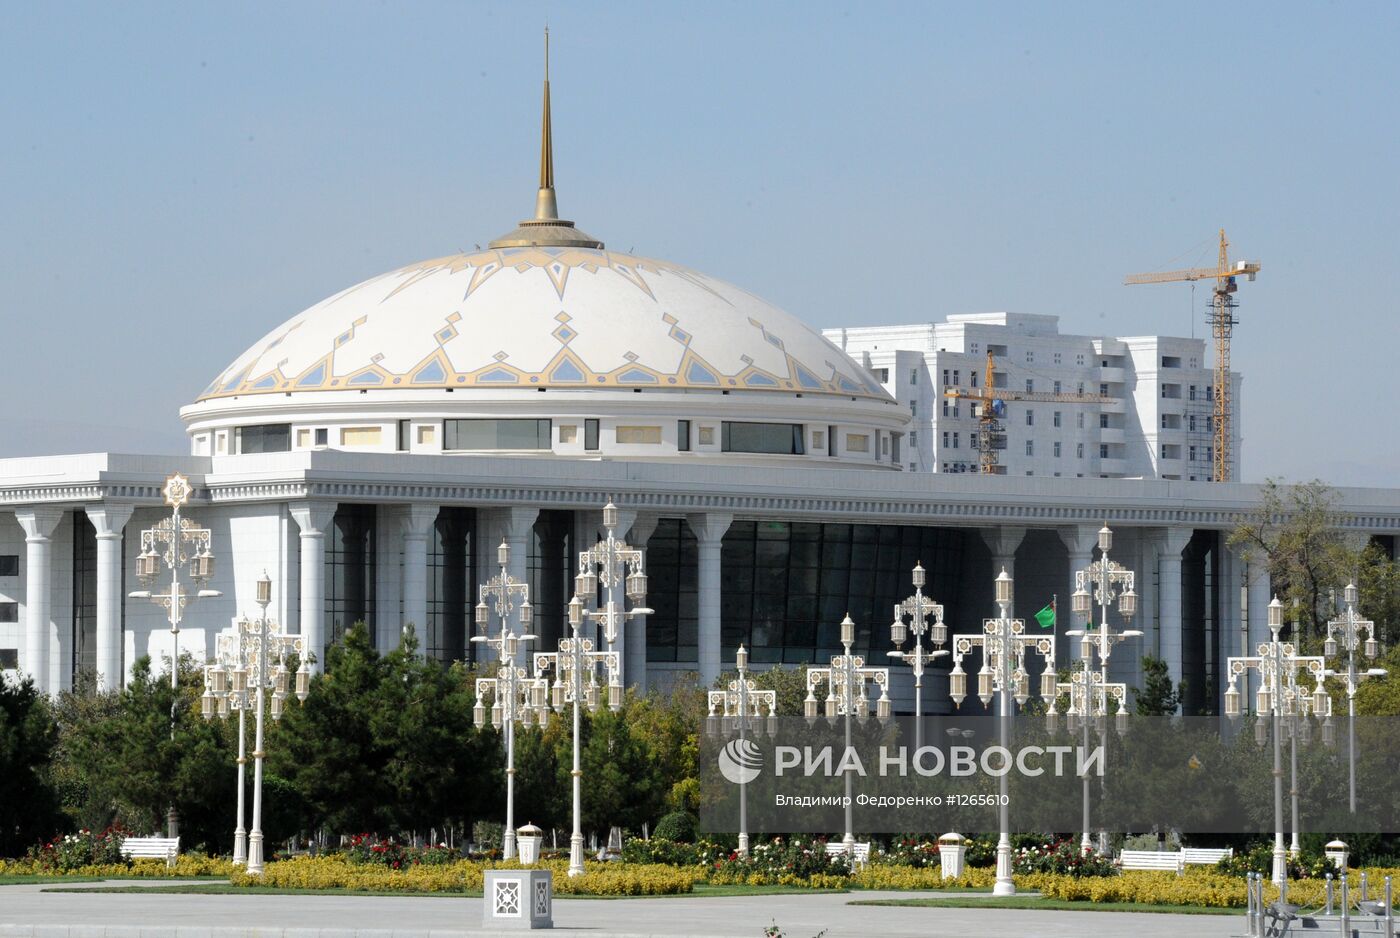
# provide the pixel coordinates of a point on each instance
(371, 453)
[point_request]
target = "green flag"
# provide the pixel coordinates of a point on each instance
(1046, 616)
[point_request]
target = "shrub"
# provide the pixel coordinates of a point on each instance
(1064, 858)
(780, 862)
(677, 827)
(911, 852)
(1259, 858)
(75, 851)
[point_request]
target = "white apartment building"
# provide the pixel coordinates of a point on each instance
(1157, 424)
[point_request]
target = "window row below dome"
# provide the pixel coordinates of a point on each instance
(565, 436)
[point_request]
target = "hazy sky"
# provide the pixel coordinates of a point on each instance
(177, 179)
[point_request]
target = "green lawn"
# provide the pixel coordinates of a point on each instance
(28, 880)
(223, 888)
(1034, 902)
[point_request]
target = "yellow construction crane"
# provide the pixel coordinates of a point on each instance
(992, 407)
(1222, 322)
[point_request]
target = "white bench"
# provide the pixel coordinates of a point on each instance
(836, 848)
(1150, 860)
(158, 848)
(1204, 856)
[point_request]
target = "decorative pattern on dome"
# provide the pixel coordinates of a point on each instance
(541, 317)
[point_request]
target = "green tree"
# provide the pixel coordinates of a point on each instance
(622, 788)
(1157, 696)
(28, 735)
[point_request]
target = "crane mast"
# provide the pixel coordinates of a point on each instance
(1222, 322)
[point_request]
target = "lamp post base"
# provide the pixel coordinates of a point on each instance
(1280, 864)
(1004, 885)
(240, 847)
(508, 845)
(255, 853)
(743, 844)
(575, 855)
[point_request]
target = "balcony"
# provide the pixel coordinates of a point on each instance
(1113, 467)
(1112, 375)
(1111, 435)
(1117, 405)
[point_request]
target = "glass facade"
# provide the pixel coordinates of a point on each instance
(451, 585)
(350, 572)
(496, 434)
(787, 586)
(550, 572)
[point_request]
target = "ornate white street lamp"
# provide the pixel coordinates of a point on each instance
(1273, 662)
(1299, 704)
(847, 679)
(1103, 583)
(742, 706)
(1004, 646)
(613, 563)
(242, 660)
(575, 666)
(1347, 633)
(175, 542)
(918, 608)
(1089, 695)
(515, 695)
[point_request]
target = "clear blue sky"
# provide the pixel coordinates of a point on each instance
(176, 179)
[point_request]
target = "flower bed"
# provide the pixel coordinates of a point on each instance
(1199, 887)
(341, 872)
(187, 865)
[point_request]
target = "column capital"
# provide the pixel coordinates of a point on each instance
(1079, 539)
(1003, 540)
(416, 520)
(709, 527)
(516, 521)
(38, 523)
(109, 519)
(1173, 541)
(312, 517)
(642, 528)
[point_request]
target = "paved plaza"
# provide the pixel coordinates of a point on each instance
(27, 911)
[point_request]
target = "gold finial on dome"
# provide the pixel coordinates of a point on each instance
(546, 229)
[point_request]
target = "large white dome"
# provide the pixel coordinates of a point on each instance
(544, 317)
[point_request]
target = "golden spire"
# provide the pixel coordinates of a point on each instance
(546, 228)
(546, 206)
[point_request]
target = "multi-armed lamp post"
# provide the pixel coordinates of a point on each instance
(1004, 646)
(846, 679)
(918, 608)
(1347, 633)
(175, 542)
(515, 696)
(613, 563)
(1103, 583)
(575, 666)
(739, 705)
(1276, 658)
(241, 665)
(1089, 695)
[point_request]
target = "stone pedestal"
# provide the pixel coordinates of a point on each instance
(951, 848)
(518, 899)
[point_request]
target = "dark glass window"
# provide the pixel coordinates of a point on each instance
(496, 434)
(9, 612)
(683, 436)
(265, 438)
(9, 659)
(551, 575)
(322, 436)
(84, 648)
(590, 434)
(350, 572)
(831, 440)
(403, 439)
(673, 628)
(780, 438)
(9, 564)
(451, 585)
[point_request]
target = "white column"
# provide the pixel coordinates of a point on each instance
(1147, 595)
(38, 525)
(1232, 637)
(313, 518)
(109, 521)
(416, 523)
(634, 666)
(709, 531)
(517, 529)
(1173, 542)
(1079, 541)
(1003, 541)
